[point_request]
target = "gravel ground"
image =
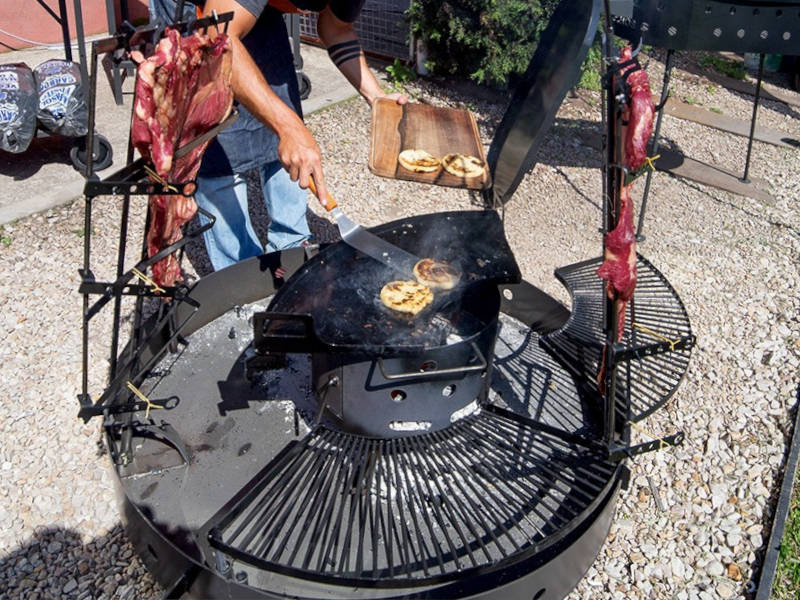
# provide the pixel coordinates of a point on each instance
(734, 262)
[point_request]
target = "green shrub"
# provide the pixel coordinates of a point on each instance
(488, 41)
(591, 79)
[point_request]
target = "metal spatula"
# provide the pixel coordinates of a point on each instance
(370, 244)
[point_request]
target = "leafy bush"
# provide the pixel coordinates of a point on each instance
(488, 41)
(591, 78)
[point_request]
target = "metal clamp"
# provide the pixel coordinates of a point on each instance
(449, 371)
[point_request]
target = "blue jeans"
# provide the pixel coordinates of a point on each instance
(232, 237)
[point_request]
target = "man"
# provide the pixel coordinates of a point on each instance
(269, 135)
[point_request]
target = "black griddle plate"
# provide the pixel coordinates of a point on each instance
(339, 289)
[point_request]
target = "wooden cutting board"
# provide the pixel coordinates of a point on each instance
(436, 130)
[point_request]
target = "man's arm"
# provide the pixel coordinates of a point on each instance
(297, 149)
(351, 62)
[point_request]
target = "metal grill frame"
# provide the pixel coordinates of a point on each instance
(764, 26)
(578, 345)
(424, 518)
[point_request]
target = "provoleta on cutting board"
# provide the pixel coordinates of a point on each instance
(427, 144)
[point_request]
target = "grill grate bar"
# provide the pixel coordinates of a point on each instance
(528, 496)
(323, 521)
(548, 476)
(313, 520)
(477, 501)
(455, 512)
(415, 472)
(262, 514)
(342, 506)
(445, 462)
(652, 368)
(288, 506)
(312, 491)
(551, 459)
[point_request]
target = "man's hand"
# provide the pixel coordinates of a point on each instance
(398, 97)
(301, 157)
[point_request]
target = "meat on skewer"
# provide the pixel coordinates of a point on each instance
(619, 266)
(182, 91)
(638, 114)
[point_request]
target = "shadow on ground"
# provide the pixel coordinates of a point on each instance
(56, 563)
(41, 152)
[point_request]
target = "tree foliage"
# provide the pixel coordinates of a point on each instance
(488, 41)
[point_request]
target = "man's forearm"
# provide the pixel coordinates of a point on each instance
(297, 149)
(250, 88)
(349, 61)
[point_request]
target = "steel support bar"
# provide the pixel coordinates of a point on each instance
(654, 144)
(745, 179)
(81, 40)
(62, 9)
(770, 562)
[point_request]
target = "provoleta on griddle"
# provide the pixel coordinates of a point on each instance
(406, 296)
(436, 275)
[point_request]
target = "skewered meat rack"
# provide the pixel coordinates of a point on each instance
(239, 477)
(131, 179)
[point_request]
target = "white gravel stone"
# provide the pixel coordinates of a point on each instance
(732, 260)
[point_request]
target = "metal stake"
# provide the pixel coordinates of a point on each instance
(753, 120)
(62, 9)
(654, 143)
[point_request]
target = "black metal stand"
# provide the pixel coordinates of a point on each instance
(657, 338)
(765, 26)
(120, 395)
(116, 64)
(654, 143)
(753, 118)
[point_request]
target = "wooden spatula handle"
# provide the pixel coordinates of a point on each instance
(331, 204)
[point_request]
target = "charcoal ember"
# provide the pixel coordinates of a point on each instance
(62, 107)
(18, 101)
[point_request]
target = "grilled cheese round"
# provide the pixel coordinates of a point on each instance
(463, 165)
(406, 296)
(436, 275)
(419, 161)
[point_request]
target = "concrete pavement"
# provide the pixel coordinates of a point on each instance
(43, 176)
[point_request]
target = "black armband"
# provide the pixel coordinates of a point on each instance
(341, 53)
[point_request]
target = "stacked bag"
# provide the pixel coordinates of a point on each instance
(52, 94)
(18, 105)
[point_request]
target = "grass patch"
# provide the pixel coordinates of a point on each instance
(691, 100)
(590, 77)
(731, 68)
(787, 578)
(5, 240)
(716, 110)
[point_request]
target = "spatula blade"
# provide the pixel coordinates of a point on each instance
(370, 244)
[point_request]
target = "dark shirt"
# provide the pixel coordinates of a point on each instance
(248, 143)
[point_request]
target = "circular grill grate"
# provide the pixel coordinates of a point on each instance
(654, 366)
(338, 506)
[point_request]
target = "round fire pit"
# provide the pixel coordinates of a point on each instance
(248, 493)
